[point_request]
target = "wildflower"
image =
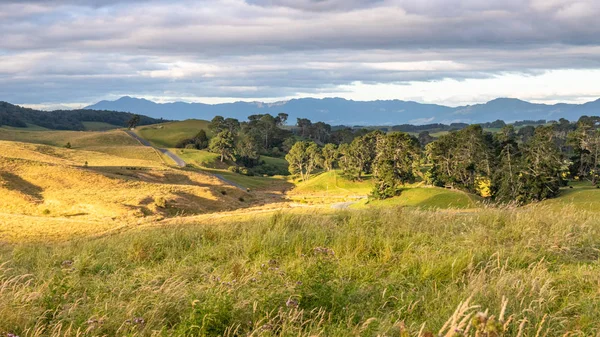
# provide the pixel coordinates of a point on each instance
(323, 251)
(139, 320)
(291, 303)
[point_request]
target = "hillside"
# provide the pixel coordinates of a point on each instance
(348, 112)
(114, 184)
(169, 134)
(19, 117)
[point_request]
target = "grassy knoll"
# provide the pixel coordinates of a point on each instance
(41, 183)
(200, 158)
(582, 196)
(333, 183)
(168, 134)
(427, 198)
(350, 273)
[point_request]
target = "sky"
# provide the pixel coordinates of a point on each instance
(453, 52)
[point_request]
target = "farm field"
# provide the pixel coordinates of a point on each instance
(167, 135)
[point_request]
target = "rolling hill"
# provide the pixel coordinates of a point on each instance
(348, 112)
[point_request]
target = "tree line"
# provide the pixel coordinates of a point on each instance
(16, 116)
(510, 166)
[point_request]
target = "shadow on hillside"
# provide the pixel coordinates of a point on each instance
(16, 183)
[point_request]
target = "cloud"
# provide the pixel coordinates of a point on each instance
(75, 50)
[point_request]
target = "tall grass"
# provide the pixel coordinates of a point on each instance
(387, 272)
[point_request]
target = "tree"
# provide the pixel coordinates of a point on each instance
(303, 158)
(463, 158)
(330, 156)
(133, 122)
(397, 157)
(281, 119)
(586, 142)
(246, 150)
(217, 124)
(199, 141)
(361, 154)
(506, 183)
(304, 125)
(223, 144)
(232, 124)
(540, 176)
(425, 138)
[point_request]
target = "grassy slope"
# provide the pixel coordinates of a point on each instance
(48, 182)
(78, 139)
(99, 126)
(583, 196)
(168, 134)
(115, 142)
(333, 183)
(374, 269)
(200, 158)
(427, 198)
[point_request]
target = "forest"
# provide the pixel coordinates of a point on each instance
(19, 117)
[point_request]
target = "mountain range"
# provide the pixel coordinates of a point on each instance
(339, 111)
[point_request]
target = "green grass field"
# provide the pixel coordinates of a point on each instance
(200, 158)
(583, 196)
(351, 273)
(427, 198)
(334, 183)
(99, 126)
(168, 134)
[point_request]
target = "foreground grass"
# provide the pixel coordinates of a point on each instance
(357, 273)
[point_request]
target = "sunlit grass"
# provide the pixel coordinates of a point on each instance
(168, 134)
(350, 273)
(427, 198)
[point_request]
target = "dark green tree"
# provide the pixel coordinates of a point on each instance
(462, 158)
(397, 158)
(506, 182)
(586, 143)
(133, 122)
(223, 144)
(217, 124)
(330, 156)
(540, 177)
(247, 150)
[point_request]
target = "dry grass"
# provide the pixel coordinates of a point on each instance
(78, 139)
(45, 185)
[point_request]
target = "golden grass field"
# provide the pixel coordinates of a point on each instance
(99, 186)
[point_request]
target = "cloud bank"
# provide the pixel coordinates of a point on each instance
(63, 51)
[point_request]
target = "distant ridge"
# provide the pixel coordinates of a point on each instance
(340, 111)
(20, 117)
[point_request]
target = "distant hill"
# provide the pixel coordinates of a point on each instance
(348, 112)
(16, 116)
